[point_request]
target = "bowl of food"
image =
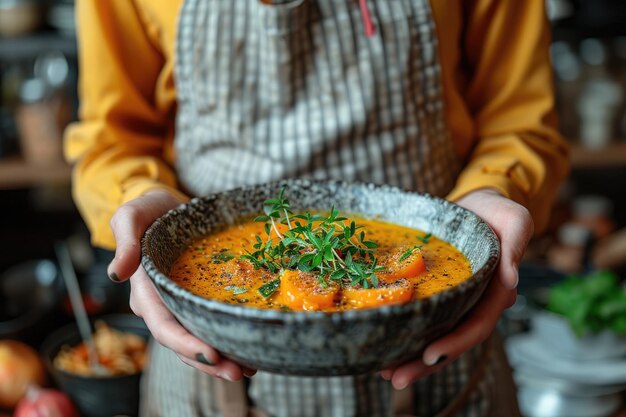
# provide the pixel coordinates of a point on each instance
(309, 277)
(113, 388)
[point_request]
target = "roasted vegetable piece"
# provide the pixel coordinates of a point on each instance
(401, 262)
(302, 291)
(396, 292)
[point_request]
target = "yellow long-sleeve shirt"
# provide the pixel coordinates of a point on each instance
(496, 81)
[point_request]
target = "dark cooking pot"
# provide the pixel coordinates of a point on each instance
(29, 293)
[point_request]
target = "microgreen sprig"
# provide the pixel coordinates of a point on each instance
(276, 209)
(327, 245)
(424, 239)
(408, 252)
(235, 289)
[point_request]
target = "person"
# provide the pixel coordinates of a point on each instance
(184, 98)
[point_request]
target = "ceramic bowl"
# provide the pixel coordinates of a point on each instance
(320, 343)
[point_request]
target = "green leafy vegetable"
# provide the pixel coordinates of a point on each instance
(591, 303)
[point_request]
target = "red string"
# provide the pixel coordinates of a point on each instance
(367, 19)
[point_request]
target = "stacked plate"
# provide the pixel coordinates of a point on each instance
(561, 375)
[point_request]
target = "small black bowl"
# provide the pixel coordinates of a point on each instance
(104, 396)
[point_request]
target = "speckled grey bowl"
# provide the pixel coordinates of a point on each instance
(318, 343)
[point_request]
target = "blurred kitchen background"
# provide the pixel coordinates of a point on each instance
(586, 239)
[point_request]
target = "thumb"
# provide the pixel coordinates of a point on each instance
(514, 237)
(129, 223)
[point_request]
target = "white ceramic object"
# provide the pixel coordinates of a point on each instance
(529, 353)
(541, 402)
(555, 333)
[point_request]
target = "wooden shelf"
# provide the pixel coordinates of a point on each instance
(613, 155)
(16, 173)
(26, 47)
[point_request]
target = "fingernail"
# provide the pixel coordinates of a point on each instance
(441, 359)
(435, 361)
(249, 373)
(113, 277)
(226, 377)
(516, 280)
(401, 386)
(202, 359)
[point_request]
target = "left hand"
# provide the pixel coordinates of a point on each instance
(514, 227)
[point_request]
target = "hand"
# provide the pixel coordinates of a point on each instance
(514, 227)
(129, 223)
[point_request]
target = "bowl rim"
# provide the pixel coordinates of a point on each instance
(163, 283)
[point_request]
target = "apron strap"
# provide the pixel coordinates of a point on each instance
(403, 399)
(403, 402)
(232, 400)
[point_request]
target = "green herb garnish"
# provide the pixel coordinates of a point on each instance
(220, 258)
(424, 239)
(266, 290)
(409, 252)
(235, 289)
(325, 245)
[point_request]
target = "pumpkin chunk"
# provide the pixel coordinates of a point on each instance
(302, 291)
(401, 262)
(400, 291)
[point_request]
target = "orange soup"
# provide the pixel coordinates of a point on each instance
(361, 263)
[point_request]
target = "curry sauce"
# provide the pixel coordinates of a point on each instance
(211, 267)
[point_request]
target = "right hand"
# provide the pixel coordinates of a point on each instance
(129, 224)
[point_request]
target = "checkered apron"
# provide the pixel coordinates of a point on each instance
(299, 89)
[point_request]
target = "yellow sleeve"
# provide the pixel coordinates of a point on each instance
(118, 145)
(509, 92)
